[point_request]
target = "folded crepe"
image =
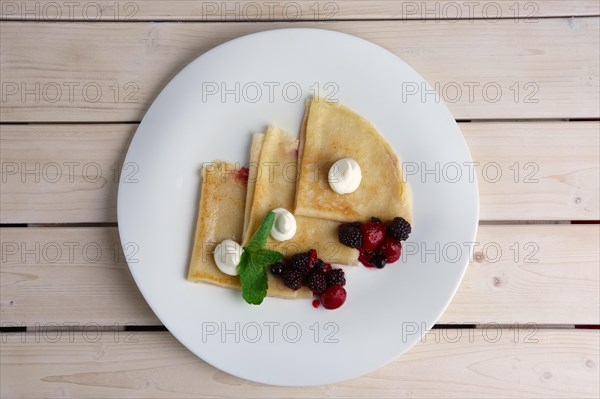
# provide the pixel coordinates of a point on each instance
(255, 149)
(274, 186)
(331, 132)
(221, 217)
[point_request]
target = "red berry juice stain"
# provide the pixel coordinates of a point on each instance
(242, 174)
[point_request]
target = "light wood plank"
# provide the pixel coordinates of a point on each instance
(538, 171)
(532, 70)
(560, 364)
(545, 274)
(68, 275)
(248, 11)
(549, 171)
(61, 174)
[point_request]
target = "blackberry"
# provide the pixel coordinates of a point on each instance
(399, 229)
(350, 235)
(376, 220)
(322, 267)
(317, 283)
(277, 268)
(292, 278)
(305, 260)
(336, 277)
(298, 263)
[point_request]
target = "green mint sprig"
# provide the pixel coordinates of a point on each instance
(255, 258)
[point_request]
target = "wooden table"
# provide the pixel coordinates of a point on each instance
(522, 79)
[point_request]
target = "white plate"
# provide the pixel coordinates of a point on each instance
(287, 342)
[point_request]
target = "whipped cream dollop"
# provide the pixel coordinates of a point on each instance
(228, 255)
(345, 176)
(284, 227)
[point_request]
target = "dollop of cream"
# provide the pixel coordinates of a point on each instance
(284, 227)
(345, 176)
(228, 255)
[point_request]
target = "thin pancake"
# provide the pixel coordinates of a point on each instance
(275, 187)
(274, 282)
(257, 143)
(330, 132)
(221, 217)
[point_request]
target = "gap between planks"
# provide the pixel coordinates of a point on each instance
(549, 277)
(161, 328)
(275, 21)
(111, 224)
(565, 183)
(137, 122)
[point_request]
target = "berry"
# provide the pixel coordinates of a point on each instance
(312, 258)
(334, 297)
(305, 260)
(373, 234)
(292, 278)
(365, 258)
(375, 220)
(322, 267)
(336, 277)
(277, 268)
(350, 235)
(300, 261)
(399, 229)
(378, 261)
(391, 249)
(317, 283)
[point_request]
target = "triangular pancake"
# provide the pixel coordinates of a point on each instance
(221, 217)
(255, 149)
(275, 187)
(331, 132)
(275, 283)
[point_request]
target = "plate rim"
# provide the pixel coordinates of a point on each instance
(120, 196)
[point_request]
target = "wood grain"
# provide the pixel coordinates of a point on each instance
(550, 364)
(72, 71)
(536, 171)
(61, 174)
(533, 70)
(546, 274)
(543, 273)
(324, 10)
(69, 173)
(64, 275)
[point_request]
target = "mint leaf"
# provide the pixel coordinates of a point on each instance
(266, 256)
(243, 262)
(253, 274)
(259, 238)
(254, 278)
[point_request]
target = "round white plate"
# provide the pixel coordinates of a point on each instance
(209, 111)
